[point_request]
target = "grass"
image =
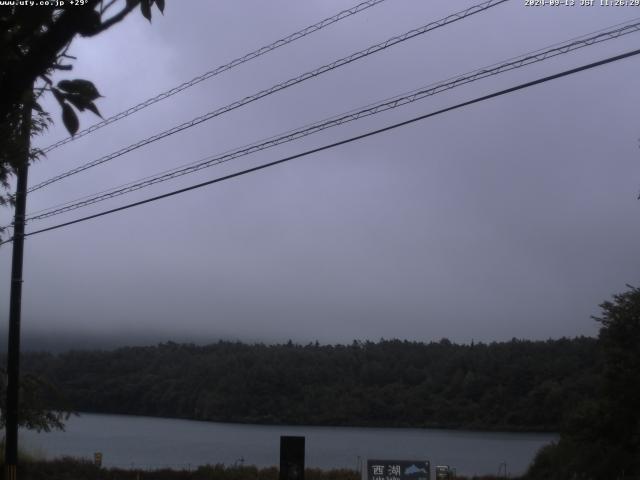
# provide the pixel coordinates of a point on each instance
(68, 468)
(24, 455)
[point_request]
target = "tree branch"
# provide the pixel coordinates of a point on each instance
(118, 17)
(107, 6)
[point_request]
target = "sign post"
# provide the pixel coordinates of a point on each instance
(445, 472)
(291, 458)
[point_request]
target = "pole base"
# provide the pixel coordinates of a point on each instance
(10, 472)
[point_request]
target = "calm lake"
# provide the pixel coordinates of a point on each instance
(151, 443)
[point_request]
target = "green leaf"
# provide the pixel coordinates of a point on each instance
(66, 85)
(92, 107)
(76, 100)
(90, 23)
(160, 4)
(37, 107)
(70, 119)
(145, 8)
(82, 103)
(84, 88)
(58, 96)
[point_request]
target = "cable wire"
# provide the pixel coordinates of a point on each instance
(281, 86)
(343, 142)
(216, 71)
(372, 109)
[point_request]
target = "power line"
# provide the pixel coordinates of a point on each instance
(216, 71)
(372, 109)
(281, 86)
(608, 33)
(342, 142)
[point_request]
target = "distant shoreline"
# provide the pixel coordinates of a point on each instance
(151, 443)
(304, 425)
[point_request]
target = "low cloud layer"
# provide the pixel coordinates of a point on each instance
(511, 218)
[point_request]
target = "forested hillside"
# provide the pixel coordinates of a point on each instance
(516, 385)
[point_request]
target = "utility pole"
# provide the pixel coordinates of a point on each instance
(13, 352)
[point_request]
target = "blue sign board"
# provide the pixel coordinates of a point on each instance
(398, 470)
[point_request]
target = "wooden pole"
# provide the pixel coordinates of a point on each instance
(13, 353)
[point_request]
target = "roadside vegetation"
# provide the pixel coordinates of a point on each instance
(601, 435)
(69, 468)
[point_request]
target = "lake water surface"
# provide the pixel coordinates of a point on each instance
(145, 442)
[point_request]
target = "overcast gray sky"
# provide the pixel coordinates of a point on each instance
(515, 217)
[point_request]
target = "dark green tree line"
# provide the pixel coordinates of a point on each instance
(516, 385)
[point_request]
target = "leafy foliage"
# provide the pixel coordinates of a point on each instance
(79, 93)
(42, 407)
(602, 437)
(517, 385)
(33, 44)
(11, 149)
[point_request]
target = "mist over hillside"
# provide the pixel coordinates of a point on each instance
(64, 341)
(60, 341)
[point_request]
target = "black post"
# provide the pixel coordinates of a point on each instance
(13, 353)
(291, 458)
